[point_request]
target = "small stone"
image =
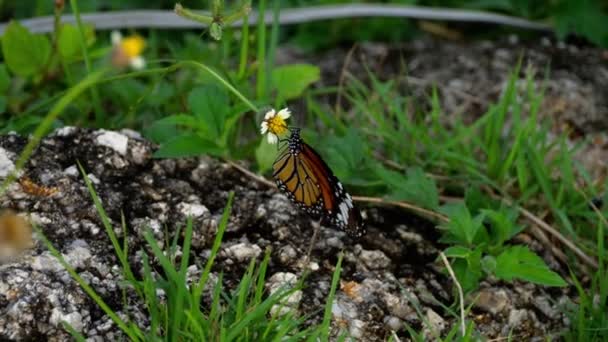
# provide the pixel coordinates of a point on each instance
(375, 260)
(313, 266)
(74, 319)
(434, 324)
(93, 179)
(287, 255)
(192, 209)
(344, 309)
(243, 251)
(396, 305)
(393, 323)
(6, 164)
(516, 317)
(131, 133)
(46, 262)
(71, 171)
(492, 300)
(114, 140)
(284, 281)
(356, 329)
(65, 131)
(542, 304)
(79, 254)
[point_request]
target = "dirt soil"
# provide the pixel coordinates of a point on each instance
(391, 276)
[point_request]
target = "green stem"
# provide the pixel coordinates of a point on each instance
(274, 39)
(99, 113)
(261, 75)
(244, 48)
(188, 14)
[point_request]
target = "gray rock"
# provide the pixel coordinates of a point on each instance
(434, 325)
(6, 164)
(114, 140)
(492, 300)
(242, 252)
(283, 281)
(375, 260)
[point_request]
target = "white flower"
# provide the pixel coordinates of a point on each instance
(127, 50)
(275, 124)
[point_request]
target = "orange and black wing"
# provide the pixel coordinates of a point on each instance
(306, 179)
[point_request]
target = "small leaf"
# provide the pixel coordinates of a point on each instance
(69, 40)
(5, 80)
(468, 273)
(488, 264)
(215, 30)
(2, 104)
(179, 120)
(345, 154)
(25, 53)
(210, 105)
(419, 188)
(518, 262)
(502, 225)
(187, 145)
(457, 252)
(265, 155)
(462, 228)
(290, 81)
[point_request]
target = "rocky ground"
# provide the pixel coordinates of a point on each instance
(387, 276)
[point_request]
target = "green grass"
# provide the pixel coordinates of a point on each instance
(242, 314)
(492, 173)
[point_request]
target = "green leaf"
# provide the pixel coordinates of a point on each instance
(210, 105)
(345, 153)
(25, 53)
(502, 225)
(476, 200)
(2, 104)
(518, 262)
(290, 81)
(5, 79)
(179, 120)
(468, 270)
(69, 41)
(488, 264)
(161, 132)
(457, 252)
(187, 145)
(265, 155)
(462, 228)
(416, 187)
(419, 188)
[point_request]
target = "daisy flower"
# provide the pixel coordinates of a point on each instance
(127, 51)
(275, 124)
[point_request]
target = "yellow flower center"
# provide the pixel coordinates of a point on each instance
(277, 125)
(132, 46)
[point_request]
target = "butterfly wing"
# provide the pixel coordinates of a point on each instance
(307, 180)
(339, 210)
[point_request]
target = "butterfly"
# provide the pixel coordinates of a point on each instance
(301, 173)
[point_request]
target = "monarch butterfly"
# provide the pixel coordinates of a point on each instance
(308, 182)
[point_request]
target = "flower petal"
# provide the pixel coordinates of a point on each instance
(115, 37)
(269, 114)
(138, 63)
(264, 127)
(272, 139)
(284, 113)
